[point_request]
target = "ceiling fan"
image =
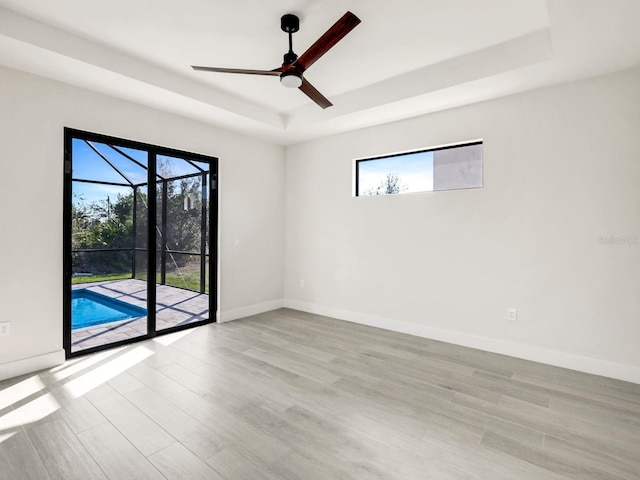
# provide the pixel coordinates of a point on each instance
(293, 67)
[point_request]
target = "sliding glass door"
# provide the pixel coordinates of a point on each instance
(182, 234)
(139, 257)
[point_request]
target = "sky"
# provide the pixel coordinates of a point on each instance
(88, 165)
(415, 171)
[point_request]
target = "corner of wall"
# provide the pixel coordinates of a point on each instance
(241, 312)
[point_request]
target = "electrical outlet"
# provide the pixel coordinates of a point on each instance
(301, 283)
(513, 315)
(5, 329)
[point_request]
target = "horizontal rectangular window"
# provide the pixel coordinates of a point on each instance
(450, 167)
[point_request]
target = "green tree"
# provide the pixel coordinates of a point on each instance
(391, 184)
(102, 225)
(102, 231)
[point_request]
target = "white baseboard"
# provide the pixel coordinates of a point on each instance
(628, 373)
(32, 364)
(235, 313)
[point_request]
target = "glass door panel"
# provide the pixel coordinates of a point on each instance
(182, 297)
(108, 301)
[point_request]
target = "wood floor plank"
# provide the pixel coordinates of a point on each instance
(194, 435)
(621, 443)
(80, 415)
(292, 365)
(125, 382)
(146, 435)
(556, 463)
(218, 389)
(278, 341)
(176, 462)
(546, 392)
(227, 376)
(18, 458)
(117, 457)
(602, 386)
(291, 395)
(155, 380)
(294, 466)
(233, 463)
(230, 424)
(62, 454)
(599, 412)
(426, 379)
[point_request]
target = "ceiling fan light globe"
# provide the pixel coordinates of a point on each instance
(291, 80)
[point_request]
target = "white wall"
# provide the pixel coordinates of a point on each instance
(33, 113)
(562, 170)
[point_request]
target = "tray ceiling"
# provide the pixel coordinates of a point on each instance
(406, 58)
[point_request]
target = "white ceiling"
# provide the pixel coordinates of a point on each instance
(406, 58)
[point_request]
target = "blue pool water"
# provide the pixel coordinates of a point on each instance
(89, 308)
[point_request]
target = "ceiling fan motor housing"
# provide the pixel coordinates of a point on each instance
(289, 58)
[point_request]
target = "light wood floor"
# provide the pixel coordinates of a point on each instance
(290, 395)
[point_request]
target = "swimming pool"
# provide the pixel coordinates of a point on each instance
(89, 309)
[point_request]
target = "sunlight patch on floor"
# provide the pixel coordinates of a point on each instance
(167, 340)
(30, 412)
(102, 374)
(85, 363)
(7, 435)
(13, 394)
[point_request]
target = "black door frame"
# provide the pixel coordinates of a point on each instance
(153, 151)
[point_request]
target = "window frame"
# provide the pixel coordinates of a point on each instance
(358, 161)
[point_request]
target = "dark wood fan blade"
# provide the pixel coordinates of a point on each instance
(275, 72)
(311, 92)
(332, 36)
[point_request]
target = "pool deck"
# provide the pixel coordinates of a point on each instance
(174, 306)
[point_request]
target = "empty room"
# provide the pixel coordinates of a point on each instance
(320, 239)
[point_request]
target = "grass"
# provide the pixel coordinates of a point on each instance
(99, 278)
(190, 282)
(190, 278)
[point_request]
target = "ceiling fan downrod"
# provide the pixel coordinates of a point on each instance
(290, 77)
